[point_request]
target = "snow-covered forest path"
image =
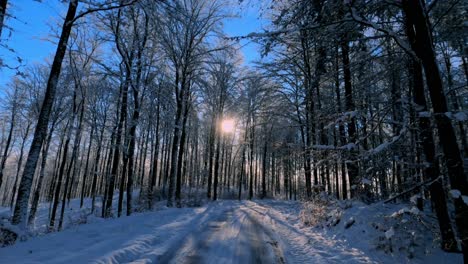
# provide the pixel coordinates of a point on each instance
(220, 232)
(235, 236)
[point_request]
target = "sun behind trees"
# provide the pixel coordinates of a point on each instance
(149, 101)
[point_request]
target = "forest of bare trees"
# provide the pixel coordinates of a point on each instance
(149, 100)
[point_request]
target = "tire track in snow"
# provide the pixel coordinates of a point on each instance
(301, 244)
(235, 236)
(147, 248)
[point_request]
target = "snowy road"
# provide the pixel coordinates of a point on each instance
(220, 232)
(235, 236)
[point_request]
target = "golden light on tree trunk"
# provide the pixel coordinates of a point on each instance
(227, 126)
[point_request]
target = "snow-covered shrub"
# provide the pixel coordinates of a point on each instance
(78, 217)
(8, 233)
(194, 198)
(7, 237)
(321, 211)
(405, 231)
(312, 213)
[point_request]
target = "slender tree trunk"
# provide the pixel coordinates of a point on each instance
(20, 163)
(353, 169)
(10, 135)
(251, 165)
(180, 155)
(264, 168)
(85, 174)
(35, 202)
(61, 171)
(211, 142)
(117, 150)
(96, 167)
(175, 146)
(155, 156)
(21, 207)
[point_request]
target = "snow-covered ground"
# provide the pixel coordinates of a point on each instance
(269, 231)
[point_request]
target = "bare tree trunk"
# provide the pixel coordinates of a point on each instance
(432, 172)
(35, 202)
(174, 151)
(75, 149)
(264, 168)
(353, 169)
(216, 163)
(423, 47)
(61, 171)
(251, 170)
(180, 154)
(21, 207)
(20, 163)
(9, 138)
(117, 149)
(85, 174)
(154, 166)
(211, 142)
(96, 167)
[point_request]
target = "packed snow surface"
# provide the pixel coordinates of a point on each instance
(220, 232)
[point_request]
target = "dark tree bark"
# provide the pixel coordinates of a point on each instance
(37, 192)
(251, 162)
(21, 207)
(438, 194)
(60, 175)
(180, 157)
(211, 142)
(8, 141)
(154, 166)
(264, 168)
(20, 163)
(216, 163)
(175, 149)
(85, 174)
(422, 45)
(117, 149)
(353, 169)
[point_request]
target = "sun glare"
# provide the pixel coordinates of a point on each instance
(227, 125)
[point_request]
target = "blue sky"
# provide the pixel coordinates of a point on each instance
(31, 32)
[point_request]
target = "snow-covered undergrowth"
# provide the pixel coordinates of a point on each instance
(75, 215)
(396, 233)
(294, 232)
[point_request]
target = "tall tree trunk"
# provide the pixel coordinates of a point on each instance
(432, 171)
(117, 149)
(251, 170)
(20, 163)
(45, 151)
(211, 142)
(85, 174)
(264, 168)
(181, 155)
(423, 47)
(61, 171)
(96, 167)
(21, 207)
(154, 171)
(353, 169)
(9, 138)
(216, 163)
(174, 151)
